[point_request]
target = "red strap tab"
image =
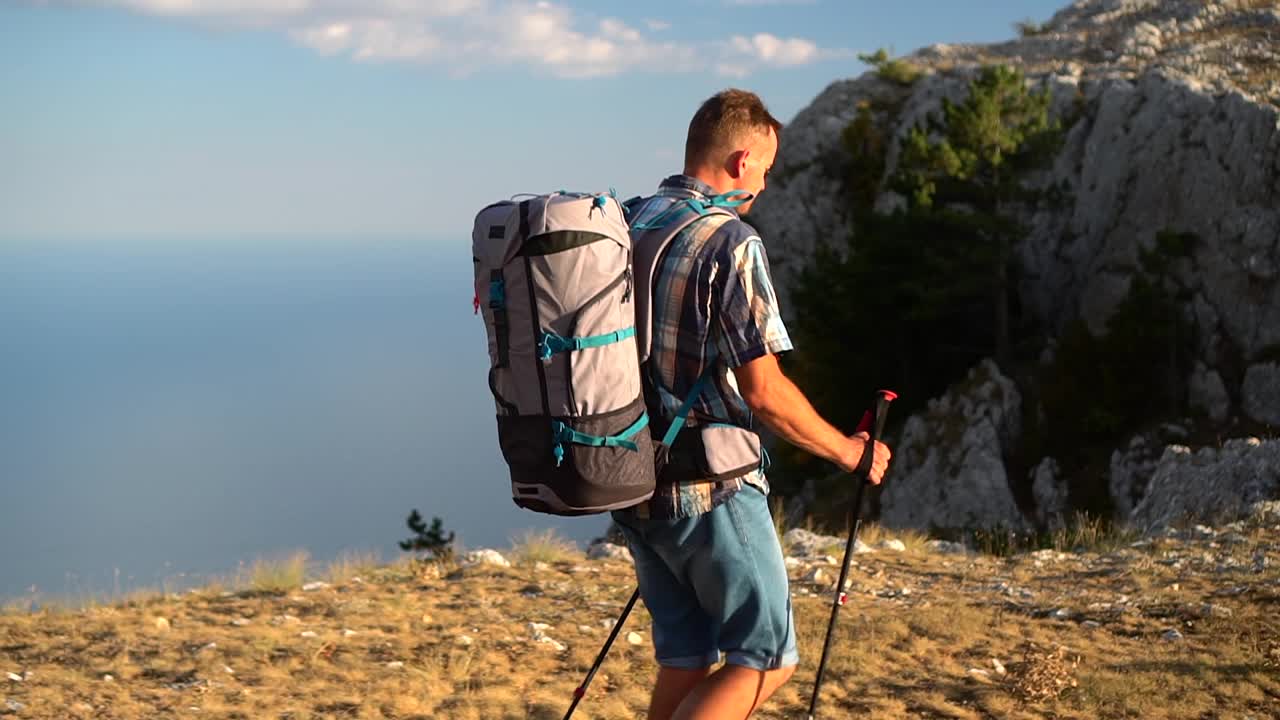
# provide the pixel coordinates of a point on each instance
(864, 425)
(475, 305)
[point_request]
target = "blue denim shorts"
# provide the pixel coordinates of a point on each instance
(715, 582)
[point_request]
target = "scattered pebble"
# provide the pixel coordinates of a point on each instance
(819, 577)
(162, 624)
(635, 638)
(946, 547)
(314, 586)
(308, 634)
(1210, 610)
(485, 556)
(547, 640)
(396, 664)
(14, 677)
(463, 640)
(980, 675)
(893, 544)
(1171, 636)
(608, 551)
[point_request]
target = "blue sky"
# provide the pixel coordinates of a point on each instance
(181, 120)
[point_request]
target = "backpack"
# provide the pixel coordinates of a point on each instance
(554, 283)
(566, 301)
(716, 450)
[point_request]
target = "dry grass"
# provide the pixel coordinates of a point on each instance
(389, 645)
(1092, 534)
(873, 534)
(279, 575)
(353, 563)
(543, 546)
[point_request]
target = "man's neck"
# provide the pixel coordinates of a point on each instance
(720, 181)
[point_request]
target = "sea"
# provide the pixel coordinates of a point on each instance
(173, 411)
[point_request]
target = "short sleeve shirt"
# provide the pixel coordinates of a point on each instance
(714, 303)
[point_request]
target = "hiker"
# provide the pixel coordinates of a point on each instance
(707, 557)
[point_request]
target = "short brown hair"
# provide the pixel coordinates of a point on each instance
(723, 122)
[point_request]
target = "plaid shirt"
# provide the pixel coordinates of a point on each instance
(714, 303)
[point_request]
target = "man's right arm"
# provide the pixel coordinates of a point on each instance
(784, 409)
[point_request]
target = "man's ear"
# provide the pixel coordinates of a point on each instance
(736, 163)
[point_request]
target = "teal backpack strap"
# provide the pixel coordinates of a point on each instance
(551, 343)
(699, 206)
(683, 413)
(565, 435)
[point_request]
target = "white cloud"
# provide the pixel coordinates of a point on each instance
(742, 55)
(466, 36)
(772, 50)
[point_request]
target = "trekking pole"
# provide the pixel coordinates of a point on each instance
(862, 473)
(582, 689)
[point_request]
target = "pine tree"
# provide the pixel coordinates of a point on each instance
(433, 540)
(973, 158)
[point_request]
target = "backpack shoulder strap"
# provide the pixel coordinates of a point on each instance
(649, 242)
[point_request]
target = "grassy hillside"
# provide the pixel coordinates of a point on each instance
(925, 635)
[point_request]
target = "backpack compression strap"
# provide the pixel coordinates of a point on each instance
(565, 435)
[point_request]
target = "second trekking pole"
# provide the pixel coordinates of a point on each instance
(582, 689)
(863, 477)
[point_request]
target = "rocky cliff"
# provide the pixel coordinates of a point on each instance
(1171, 112)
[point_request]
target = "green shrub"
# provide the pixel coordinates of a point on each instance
(898, 71)
(434, 541)
(1031, 28)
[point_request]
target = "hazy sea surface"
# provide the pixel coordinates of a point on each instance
(170, 411)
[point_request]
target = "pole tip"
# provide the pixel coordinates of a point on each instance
(888, 394)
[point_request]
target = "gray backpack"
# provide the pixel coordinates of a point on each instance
(568, 327)
(553, 280)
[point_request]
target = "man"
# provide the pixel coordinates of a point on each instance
(707, 557)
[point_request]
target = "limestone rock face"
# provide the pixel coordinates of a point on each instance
(948, 469)
(1050, 492)
(1131, 471)
(1207, 393)
(1261, 393)
(1173, 124)
(1210, 485)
